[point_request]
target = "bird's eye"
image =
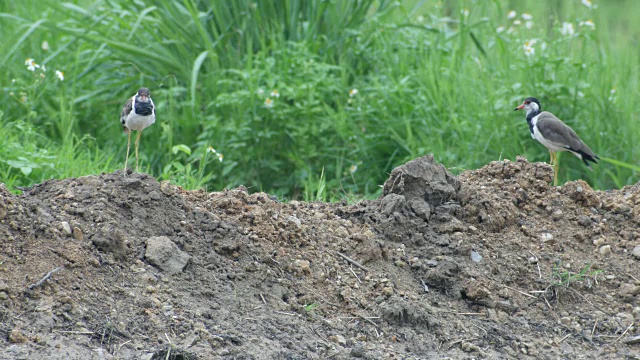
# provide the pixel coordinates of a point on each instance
(527, 102)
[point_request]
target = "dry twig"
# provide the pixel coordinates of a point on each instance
(521, 292)
(351, 261)
(620, 337)
(45, 278)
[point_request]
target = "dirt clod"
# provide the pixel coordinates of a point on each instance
(494, 263)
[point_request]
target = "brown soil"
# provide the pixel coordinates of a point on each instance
(493, 264)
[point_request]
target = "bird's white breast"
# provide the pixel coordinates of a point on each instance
(538, 136)
(137, 122)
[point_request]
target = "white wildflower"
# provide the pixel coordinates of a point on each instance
(528, 24)
(529, 50)
(45, 45)
(527, 17)
(500, 29)
(588, 23)
(512, 14)
(587, 3)
(60, 75)
(31, 64)
(567, 29)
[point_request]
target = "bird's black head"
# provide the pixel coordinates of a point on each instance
(143, 94)
(529, 104)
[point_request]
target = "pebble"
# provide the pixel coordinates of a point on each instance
(584, 220)
(16, 336)
(546, 237)
(475, 256)
(77, 234)
(557, 215)
(565, 320)
(636, 252)
(358, 351)
(66, 228)
(605, 250)
(339, 339)
(598, 242)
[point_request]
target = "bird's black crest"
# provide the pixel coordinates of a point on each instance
(532, 99)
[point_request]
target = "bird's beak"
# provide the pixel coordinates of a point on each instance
(519, 107)
(143, 97)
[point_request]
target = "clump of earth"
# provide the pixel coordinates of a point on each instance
(494, 263)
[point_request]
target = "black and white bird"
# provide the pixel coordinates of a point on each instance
(555, 135)
(138, 113)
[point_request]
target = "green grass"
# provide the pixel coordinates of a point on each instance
(267, 84)
(566, 278)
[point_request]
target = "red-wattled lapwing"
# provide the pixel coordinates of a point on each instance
(137, 114)
(555, 135)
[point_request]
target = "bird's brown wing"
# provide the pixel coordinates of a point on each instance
(126, 110)
(560, 134)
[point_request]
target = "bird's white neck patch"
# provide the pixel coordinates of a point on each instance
(531, 108)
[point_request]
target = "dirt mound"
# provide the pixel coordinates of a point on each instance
(494, 263)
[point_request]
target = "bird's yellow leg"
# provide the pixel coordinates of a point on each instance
(127, 158)
(555, 169)
(137, 145)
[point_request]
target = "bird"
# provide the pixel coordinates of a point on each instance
(555, 135)
(138, 113)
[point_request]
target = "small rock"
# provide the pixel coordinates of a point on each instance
(584, 220)
(605, 250)
(475, 256)
(546, 237)
(431, 263)
(557, 215)
(636, 312)
(304, 266)
(599, 242)
(633, 341)
(566, 321)
(338, 339)
(66, 228)
(132, 183)
(387, 291)
(636, 252)
(17, 336)
(472, 228)
(358, 351)
(166, 255)
(77, 234)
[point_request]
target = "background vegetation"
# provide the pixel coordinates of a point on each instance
(311, 99)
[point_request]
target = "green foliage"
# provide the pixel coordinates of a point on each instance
(566, 278)
(314, 99)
